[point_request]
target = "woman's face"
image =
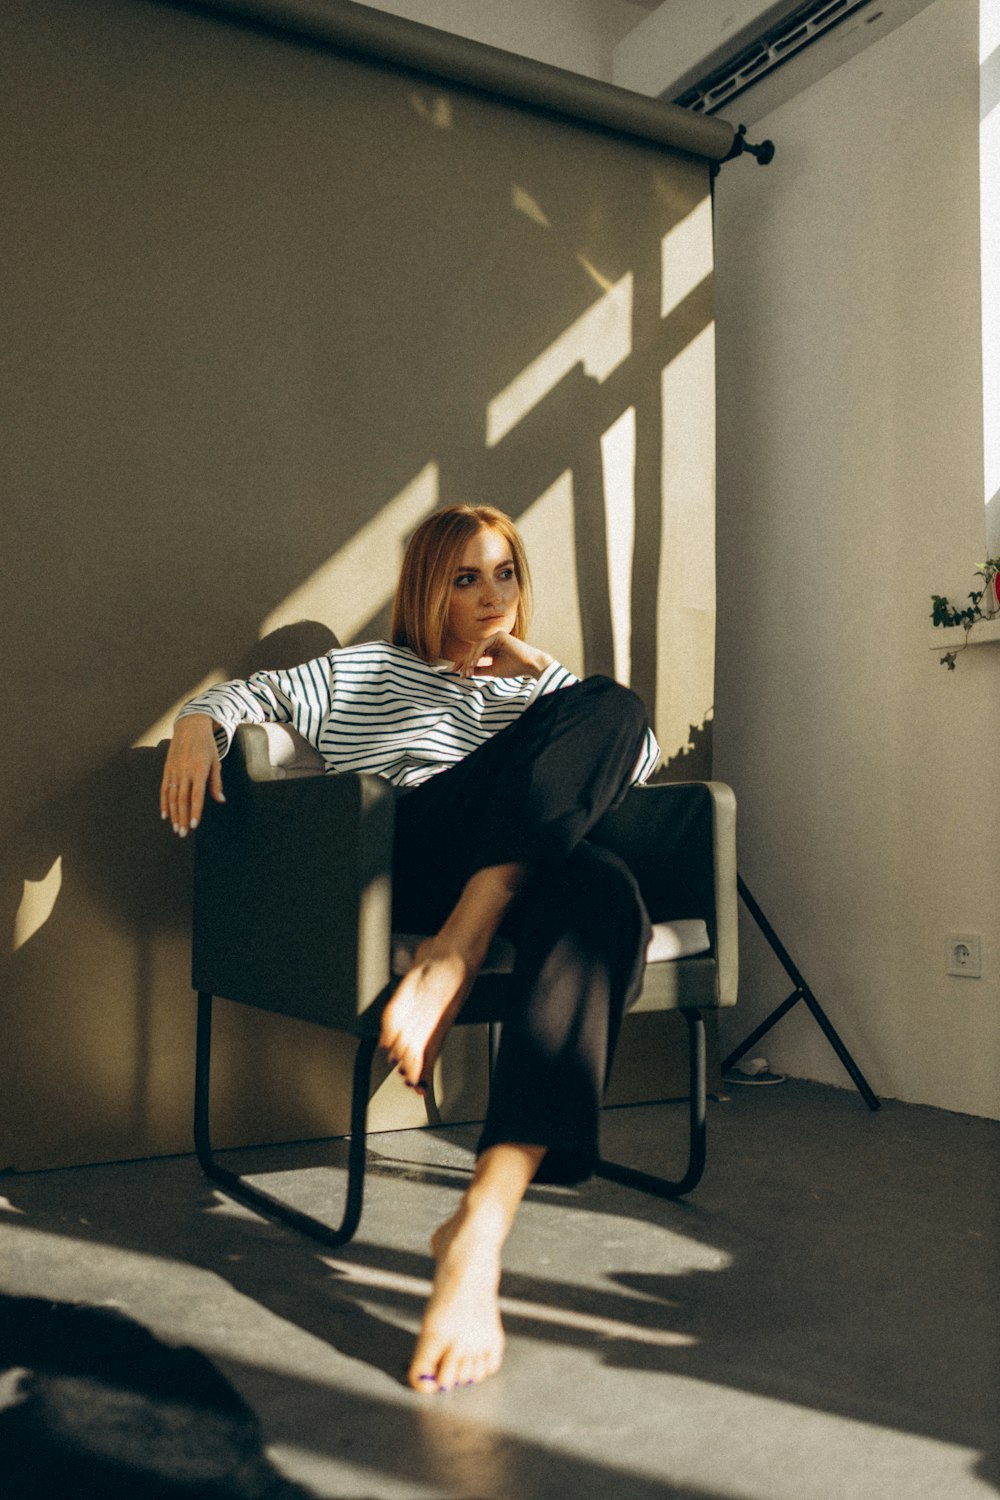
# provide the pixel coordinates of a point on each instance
(483, 595)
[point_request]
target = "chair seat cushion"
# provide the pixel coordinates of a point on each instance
(670, 940)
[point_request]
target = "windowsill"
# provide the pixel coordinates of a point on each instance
(950, 637)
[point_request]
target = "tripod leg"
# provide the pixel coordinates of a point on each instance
(761, 1030)
(801, 992)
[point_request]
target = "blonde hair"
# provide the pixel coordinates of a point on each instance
(420, 608)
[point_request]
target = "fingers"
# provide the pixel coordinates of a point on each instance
(215, 780)
(192, 764)
(176, 798)
(469, 664)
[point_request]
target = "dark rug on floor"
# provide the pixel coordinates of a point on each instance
(102, 1410)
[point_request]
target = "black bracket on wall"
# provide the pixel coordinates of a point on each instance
(800, 992)
(741, 146)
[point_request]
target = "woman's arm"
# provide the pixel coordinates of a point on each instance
(301, 696)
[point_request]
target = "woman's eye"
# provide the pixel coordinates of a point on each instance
(505, 575)
(464, 579)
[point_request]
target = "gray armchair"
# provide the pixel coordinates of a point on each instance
(292, 914)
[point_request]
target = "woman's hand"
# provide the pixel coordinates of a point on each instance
(192, 764)
(503, 655)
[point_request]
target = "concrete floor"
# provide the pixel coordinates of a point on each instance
(819, 1321)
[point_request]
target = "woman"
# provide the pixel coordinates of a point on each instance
(504, 762)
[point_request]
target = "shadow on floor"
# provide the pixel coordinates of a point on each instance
(854, 1275)
(105, 1411)
(102, 1410)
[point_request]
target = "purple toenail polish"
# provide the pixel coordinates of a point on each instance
(427, 1377)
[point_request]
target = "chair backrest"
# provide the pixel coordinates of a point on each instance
(293, 887)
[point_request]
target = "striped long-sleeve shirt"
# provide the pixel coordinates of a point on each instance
(381, 708)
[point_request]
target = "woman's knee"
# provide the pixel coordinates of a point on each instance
(602, 887)
(612, 704)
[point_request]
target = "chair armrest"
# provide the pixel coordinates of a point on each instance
(679, 840)
(277, 752)
(293, 891)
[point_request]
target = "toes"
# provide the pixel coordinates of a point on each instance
(409, 1067)
(449, 1369)
(423, 1374)
(448, 1374)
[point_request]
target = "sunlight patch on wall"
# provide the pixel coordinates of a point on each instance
(37, 903)
(600, 340)
(360, 579)
(686, 587)
(163, 727)
(522, 201)
(618, 468)
(434, 108)
(685, 256)
(548, 529)
(604, 282)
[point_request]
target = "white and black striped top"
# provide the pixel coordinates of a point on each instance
(381, 708)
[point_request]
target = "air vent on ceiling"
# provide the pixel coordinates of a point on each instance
(774, 47)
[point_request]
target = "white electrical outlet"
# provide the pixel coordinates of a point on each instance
(964, 956)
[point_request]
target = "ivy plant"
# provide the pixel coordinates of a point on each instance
(944, 612)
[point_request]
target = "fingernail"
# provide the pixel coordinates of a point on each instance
(176, 827)
(182, 833)
(163, 817)
(194, 823)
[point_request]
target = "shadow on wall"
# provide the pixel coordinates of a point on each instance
(236, 349)
(96, 975)
(693, 762)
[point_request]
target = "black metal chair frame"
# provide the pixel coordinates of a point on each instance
(274, 1208)
(265, 934)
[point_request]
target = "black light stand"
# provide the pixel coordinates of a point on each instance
(800, 992)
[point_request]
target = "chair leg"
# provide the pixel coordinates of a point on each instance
(256, 1198)
(664, 1187)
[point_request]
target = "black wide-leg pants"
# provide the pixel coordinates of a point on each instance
(530, 795)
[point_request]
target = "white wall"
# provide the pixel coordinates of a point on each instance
(850, 488)
(576, 34)
(989, 188)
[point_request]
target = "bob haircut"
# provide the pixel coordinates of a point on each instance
(420, 608)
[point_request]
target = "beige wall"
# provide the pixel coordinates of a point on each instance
(230, 392)
(850, 489)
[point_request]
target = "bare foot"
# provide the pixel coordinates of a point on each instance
(461, 1338)
(417, 1018)
(429, 997)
